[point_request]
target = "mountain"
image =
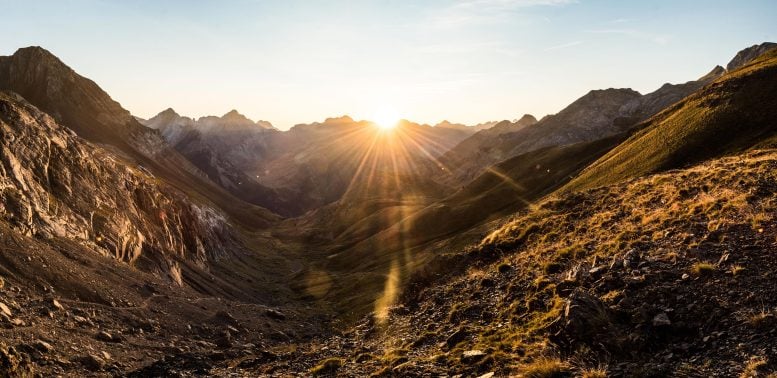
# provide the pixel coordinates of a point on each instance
(463, 127)
(733, 114)
(80, 105)
(223, 148)
(475, 145)
(57, 187)
(306, 167)
(598, 114)
(745, 56)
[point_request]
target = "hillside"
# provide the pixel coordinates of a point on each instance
(598, 114)
(732, 114)
(604, 282)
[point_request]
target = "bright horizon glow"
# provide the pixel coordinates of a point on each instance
(386, 118)
(465, 61)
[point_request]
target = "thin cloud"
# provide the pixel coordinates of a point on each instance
(660, 39)
(563, 46)
(488, 11)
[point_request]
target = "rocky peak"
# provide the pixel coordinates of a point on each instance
(77, 102)
(234, 116)
(169, 112)
(339, 120)
(745, 56)
(526, 120)
(716, 72)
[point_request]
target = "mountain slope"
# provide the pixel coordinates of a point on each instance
(734, 113)
(55, 186)
(598, 114)
(223, 148)
(635, 279)
(79, 104)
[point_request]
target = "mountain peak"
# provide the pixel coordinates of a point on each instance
(169, 112)
(342, 119)
(234, 114)
(745, 56)
(716, 72)
(527, 119)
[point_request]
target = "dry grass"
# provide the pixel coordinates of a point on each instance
(702, 269)
(546, 368)
(327, 367)
(751, 369)
(599, 372)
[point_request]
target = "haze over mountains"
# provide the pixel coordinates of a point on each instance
(221, 245)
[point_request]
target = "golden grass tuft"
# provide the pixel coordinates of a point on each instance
(546, 368)
(327, 367)
(702, 269)
(599, 372)
(751, 369)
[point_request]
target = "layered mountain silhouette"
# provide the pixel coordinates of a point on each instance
(627, 235)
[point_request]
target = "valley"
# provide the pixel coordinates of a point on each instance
(626, 235)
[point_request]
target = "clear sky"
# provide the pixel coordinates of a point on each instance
(466, 61)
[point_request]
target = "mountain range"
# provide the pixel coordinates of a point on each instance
(626, 235)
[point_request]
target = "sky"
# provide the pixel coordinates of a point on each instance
(466, 61)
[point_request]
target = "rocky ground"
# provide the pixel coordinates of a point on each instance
(671, 275)
(93, 317)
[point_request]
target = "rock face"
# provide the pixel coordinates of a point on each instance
(225, 148)
(238, 140)
(747, 55)
(56, 185)
(80, 105)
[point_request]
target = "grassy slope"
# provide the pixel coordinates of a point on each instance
(410, 239)
(511, 296)
(734, 113)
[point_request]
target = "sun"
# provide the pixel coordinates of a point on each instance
(386, 118)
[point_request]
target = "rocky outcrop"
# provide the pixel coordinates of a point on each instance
(55, 185)
(747, 55)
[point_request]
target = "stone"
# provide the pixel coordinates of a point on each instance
(13, 363)
(5, 310)
(107, 337)
(42, 346)
(55, 303)
(275, 314)
(456, 337)
(661, 320)
(91, 362)
(473, 355)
